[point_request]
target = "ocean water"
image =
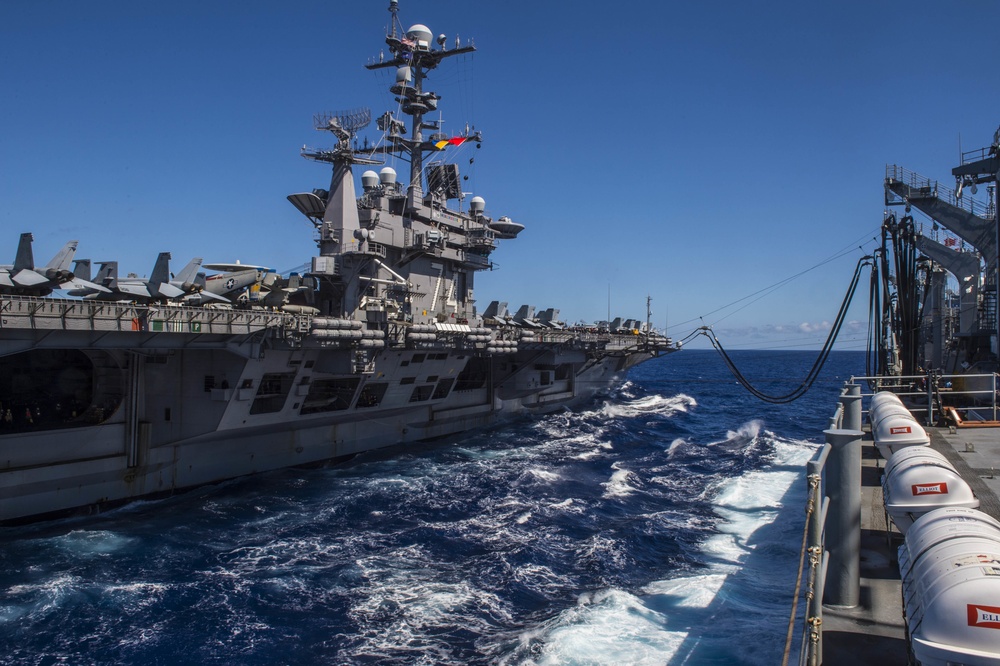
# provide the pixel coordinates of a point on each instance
(659, 525)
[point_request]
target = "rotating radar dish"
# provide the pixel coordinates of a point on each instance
(344, 123)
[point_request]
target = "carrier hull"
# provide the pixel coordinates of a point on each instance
(178, 409)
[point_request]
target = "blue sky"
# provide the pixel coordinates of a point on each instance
(694, 152)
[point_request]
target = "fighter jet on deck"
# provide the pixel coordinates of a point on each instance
(24, 278)
(159, 286)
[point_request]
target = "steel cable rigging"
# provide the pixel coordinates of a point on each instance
(817, 367)
(760, 293)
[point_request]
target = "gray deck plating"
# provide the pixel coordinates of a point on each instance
(873, 632)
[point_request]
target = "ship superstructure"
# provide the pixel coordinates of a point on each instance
(928, 321)
(380, 342)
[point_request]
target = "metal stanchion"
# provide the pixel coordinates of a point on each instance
(843, 527)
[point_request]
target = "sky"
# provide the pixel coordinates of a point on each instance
(725, 159)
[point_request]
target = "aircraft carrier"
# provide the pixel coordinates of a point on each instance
(141, 387)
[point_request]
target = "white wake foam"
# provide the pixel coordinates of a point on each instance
(678, 617)
(607, 627)
(652, 405)
(618, 485)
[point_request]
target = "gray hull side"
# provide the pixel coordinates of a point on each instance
(55, 471)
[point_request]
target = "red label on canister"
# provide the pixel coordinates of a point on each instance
(930, 488)
(984, 616)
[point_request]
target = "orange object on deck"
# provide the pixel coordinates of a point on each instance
(953, 416)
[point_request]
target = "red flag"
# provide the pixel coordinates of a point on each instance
(454, 141)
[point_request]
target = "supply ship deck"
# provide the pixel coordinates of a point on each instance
(874, 631)
(934, 322)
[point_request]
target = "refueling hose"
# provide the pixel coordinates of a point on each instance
(817, 365)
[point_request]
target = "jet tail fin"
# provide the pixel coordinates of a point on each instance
(24, 260)
(62, 260)
(107, 275)
(189, 273)
(161, 269)
(81, 269)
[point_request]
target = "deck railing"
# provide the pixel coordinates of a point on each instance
(930, 188)
(926, 393)
(49, 314)
(833, 475)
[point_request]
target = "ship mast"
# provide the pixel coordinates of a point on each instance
(438, 249)
(413, 57)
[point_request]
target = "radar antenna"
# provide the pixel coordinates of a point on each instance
(344, 124)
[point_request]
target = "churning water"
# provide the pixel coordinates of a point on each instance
(661, 524)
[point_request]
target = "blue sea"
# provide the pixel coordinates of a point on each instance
(660, 524)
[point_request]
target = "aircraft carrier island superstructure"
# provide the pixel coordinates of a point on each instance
(139, 388)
